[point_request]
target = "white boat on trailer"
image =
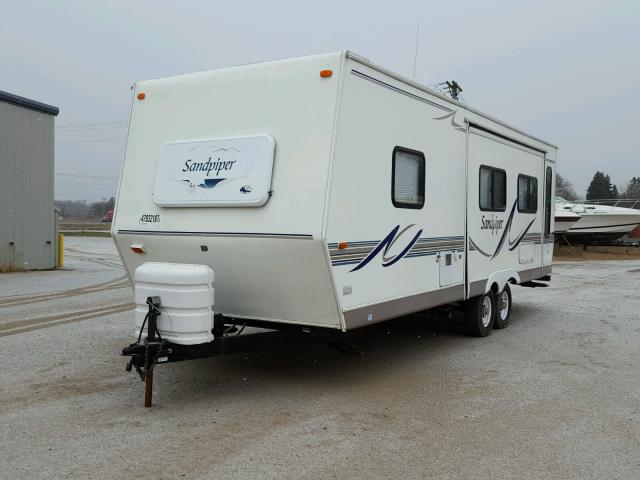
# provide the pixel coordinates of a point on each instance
(564, 220)
(320, 194)
(599, 223)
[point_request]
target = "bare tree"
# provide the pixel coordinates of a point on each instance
(81, 210)
(565, 189)
(632, 190)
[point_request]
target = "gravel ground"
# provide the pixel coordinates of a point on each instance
(556, 395)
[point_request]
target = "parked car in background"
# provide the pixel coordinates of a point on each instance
(108, 217)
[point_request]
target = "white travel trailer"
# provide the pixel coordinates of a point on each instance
(326, 191)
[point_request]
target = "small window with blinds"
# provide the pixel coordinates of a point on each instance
(408, 178)
(493, 189)
(527, 194)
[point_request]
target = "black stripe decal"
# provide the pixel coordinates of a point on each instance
(216, 234)
(375, 242)
(350, 261)
(433, 242)
(363, 252)
(475, 247)
(504, 137)
(513, 246)
(399, 90)
(606, 226)
(507, 230)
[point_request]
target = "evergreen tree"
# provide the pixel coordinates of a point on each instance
(601, 188)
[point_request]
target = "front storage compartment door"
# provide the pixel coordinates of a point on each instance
(451, 268)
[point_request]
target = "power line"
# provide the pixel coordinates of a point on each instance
(79, 128)
(89, 129)
(415, 55)
(86, 176)
(87, 198)
(93, 141)
(77, 181)
(91, 124)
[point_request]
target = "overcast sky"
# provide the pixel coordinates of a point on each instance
(568, 72)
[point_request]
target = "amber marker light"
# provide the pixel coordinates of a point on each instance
(326, 73)
(342, 245)
(141, 96)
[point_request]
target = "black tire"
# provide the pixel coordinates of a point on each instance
(476, 315)
(502, 318)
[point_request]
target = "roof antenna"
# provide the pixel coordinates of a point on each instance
(415, 55)
(451, 88)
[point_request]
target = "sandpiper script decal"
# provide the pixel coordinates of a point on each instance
(494, 225)
(228, 171)
(209, 173)
(385, 245)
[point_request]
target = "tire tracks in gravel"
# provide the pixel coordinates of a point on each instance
(120, 282)
(21, 326)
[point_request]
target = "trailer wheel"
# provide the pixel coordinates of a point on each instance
(503, 308)
(480, 314)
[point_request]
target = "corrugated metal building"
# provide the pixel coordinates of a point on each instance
(27, 217)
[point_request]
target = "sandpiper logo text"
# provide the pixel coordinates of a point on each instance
(209, 173)
(493, 224)
(208, 166)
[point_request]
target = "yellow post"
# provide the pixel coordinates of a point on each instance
(60, 250)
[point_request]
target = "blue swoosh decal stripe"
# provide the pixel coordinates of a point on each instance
(337, 263)
(417, 246)
(524, 236)
(475, 247)
(378, 249)
(404, 252)
(519, 239)
(415, 249)
(507, 229)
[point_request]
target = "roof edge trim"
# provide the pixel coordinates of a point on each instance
(28, 103)
(360, 59)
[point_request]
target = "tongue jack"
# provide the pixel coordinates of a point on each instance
(152, 349)
(144, 354)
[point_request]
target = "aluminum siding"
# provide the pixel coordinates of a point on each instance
(26, 188)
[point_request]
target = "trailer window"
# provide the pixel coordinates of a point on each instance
(527, 194)
(493, 189)
(407, 182)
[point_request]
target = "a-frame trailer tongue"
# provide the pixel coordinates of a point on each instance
(148, 352)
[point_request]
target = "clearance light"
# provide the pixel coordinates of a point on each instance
(137, 248)
(326, 73)
(141, 96)
(342, 245)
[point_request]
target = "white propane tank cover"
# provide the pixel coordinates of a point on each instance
(186, 296)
